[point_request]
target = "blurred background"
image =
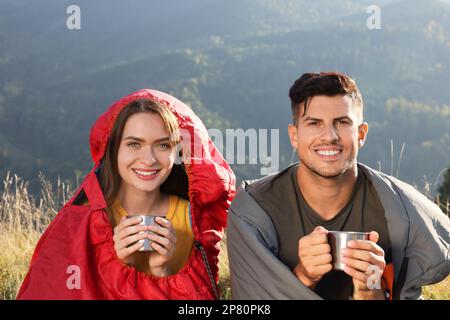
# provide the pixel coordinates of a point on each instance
(233, 62)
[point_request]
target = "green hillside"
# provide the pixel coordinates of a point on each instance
(232, 61)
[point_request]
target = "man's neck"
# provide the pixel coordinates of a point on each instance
(326, 196)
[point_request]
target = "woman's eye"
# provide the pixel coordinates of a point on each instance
(133, 145)
(163, 146)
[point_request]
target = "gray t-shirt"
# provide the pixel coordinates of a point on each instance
(293, 218)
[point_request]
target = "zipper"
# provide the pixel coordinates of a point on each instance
(208, 269)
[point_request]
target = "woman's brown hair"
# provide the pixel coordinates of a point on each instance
(108, 175)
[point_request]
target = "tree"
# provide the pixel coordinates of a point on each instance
(444, 191)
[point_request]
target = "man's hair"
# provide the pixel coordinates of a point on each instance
(324, 83)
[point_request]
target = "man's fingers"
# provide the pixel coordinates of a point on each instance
(355, 274)
(358, 265)
(365, 245)
(321, 260)
(323, 269)
(313, 239)
(320, 229)
(315, 250)
(365, 256)
(374, 236)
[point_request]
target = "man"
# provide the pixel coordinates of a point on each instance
(278, 225)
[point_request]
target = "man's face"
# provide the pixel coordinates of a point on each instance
(328, 136)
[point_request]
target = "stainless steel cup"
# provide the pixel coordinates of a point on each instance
(338, 241)
(145, 221)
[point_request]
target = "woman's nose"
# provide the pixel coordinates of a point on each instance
(148, 156)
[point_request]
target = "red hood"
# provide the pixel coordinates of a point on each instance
(210, 177)
(82, 236)
(200, 148)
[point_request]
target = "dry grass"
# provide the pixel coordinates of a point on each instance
(439, 291)
(24, 218)
(224, 272)
(22, 221)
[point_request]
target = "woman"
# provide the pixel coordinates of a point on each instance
(90, 250)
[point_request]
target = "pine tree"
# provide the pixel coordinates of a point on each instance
(444, 191)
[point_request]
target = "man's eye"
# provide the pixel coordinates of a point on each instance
(313, 123)
(343, 122)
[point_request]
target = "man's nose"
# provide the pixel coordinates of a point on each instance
(329, 133)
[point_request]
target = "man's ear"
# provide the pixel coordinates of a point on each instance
(292, 131)
(363, 130)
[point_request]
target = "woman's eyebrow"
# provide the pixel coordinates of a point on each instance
(142, 140)
(134, 138)
(162, 139)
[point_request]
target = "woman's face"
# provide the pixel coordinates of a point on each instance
(145, 157)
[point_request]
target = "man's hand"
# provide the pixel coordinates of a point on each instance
(314, 255)
(364, 262)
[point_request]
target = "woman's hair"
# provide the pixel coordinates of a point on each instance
(109, 177)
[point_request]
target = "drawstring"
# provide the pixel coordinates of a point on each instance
(208, 269)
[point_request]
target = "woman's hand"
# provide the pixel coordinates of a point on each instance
(163, 242)
(126, 233)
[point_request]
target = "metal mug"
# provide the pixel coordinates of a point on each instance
(338, 240)
(146, 220)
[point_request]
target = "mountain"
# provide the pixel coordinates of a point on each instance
(232, 61)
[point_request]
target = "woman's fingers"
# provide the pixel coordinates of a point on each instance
(125, 252)
(126, 222)
(161, 250)
(163, 228)
(131, 239)
(163, 237)
(129, 231)
(168, 243)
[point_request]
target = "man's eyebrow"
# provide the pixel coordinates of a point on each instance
(344, 118)
(312, 119)
(335, 119)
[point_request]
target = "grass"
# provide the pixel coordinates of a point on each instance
(23, 219)
(439, 291)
